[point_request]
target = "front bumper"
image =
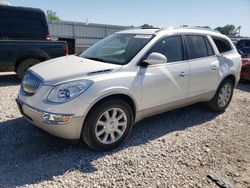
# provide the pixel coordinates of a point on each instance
(67, 130)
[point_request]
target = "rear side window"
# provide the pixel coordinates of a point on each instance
(223, 45)
(171, 47)
(196, 46)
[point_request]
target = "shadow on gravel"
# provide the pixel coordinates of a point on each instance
(9, 80)
(29, 155)
(244, 86)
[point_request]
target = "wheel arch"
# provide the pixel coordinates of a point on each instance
(125, 97)
(37, 54)
(231, 77)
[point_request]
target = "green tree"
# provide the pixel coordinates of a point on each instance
(147, 26)
(228, 30)
(51, 15)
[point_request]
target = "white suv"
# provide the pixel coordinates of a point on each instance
(126, 77)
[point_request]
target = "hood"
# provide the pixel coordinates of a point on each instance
(69, 68)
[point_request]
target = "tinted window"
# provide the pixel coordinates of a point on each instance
(196, 47)
(222, 45)
(21, 27)
(209, 47)
(243, 43)
(171, 47)
(246, 50)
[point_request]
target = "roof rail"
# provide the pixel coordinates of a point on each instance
(201, 28)
(187, 27)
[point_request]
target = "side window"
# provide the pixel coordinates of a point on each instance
(171, 47)
(196, 46)
(21, 27)
(222, 44)
(209, 47)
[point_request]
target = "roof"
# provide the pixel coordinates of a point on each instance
(22, 9)
(173, 30)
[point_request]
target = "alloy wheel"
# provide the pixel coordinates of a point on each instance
(224, 95)
(111, 125)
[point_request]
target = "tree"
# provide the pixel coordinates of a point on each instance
(228, 30)
(51, 15)
(147, 26)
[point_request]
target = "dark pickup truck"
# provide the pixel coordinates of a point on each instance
(24, 39)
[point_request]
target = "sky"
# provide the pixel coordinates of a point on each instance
(160, 13)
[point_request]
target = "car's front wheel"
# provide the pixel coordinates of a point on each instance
(223, 96)
(108, 124)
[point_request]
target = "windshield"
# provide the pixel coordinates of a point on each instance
(117, 49)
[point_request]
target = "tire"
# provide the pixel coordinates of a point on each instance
(215, 103)
(95, 124)
(24, 65)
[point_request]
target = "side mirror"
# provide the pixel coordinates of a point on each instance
(156, 59)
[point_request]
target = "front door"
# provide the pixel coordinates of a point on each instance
(165, 83)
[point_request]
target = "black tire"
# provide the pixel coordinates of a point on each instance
(24, 65)
(213, 104)
(89, 127)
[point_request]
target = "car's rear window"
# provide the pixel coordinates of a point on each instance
(223, 45)
(22, 27)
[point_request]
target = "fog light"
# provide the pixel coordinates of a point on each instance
(56, 118)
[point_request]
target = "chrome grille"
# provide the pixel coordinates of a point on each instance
(31, 83)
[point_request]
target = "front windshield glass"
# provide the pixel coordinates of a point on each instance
(117, 49)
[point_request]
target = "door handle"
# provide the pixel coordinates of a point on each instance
(183, 74)
(215, 67)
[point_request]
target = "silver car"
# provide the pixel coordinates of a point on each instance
(130, 75)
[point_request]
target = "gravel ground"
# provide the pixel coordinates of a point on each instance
(175, 149)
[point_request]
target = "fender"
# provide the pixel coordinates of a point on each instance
(110, 92)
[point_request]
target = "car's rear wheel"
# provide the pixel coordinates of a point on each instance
(25, 65)
(223, 96)
(107, 125)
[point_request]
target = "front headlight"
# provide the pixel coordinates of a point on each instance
(67, 91)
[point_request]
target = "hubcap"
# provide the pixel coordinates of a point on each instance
(224, 95)
(111, 125)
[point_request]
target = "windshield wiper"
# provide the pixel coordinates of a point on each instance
(96, 59)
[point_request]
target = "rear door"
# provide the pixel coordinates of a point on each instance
(204, 65)
(165, 83)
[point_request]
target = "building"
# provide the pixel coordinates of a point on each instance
(81, 35)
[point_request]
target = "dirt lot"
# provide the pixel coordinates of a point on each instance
(175, 149)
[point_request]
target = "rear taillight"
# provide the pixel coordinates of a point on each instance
(48, 37)
(245, 61)
(67, 50)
